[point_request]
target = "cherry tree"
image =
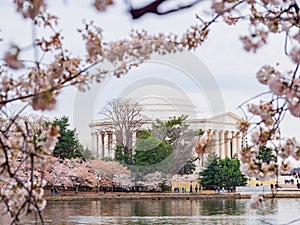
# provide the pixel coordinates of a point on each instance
(38, 81)
(81, 173)
(108, 169)
(65, 173)
(56, 173)
(151, 181)
(68, 173)
(123, 180)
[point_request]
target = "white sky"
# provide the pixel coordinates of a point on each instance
(232, 70)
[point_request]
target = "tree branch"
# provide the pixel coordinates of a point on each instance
(153, 8)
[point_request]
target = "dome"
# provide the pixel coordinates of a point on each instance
(162, 102)
(155, 107)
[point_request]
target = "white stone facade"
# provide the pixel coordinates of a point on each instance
(222, 128)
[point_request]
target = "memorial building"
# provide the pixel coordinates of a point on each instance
(221, 127)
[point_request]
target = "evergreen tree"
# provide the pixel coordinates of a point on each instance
(230, 174)
(210, 177)
(68, 145)
(120, 155)
(266, 154)
(222, 172)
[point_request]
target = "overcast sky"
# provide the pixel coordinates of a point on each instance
(229, 68)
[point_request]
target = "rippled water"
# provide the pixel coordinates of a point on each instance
(178, 211)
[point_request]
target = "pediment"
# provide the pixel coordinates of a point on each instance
(227, 118)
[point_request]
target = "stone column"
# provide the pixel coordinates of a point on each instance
(102, 146)
(97, 146)
(133, 138)
(221, 144)
(227, 144)
(109, 143)
(93, 143)
(234, 144)
(105, 145)
(216, 142)
(238, 142)
(113, 145)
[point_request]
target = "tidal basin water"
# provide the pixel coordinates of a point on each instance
(178, 211)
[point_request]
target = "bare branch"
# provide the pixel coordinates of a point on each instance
(125, 119)
(153, 8)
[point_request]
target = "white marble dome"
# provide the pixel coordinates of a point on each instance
(155, 107)
(161, 102)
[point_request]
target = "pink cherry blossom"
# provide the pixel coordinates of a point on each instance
(43, 101)
(101, 5)
(295, 55)
(39, 81)
(264, 74)
(293, 106)
(278, 86)
(286, 166)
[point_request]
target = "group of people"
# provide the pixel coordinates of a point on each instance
(218, 189)
(286, 182)
(54, 190)
(276, 186)
(291, 181)
(183, 189)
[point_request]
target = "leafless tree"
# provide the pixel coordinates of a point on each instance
(126, 119)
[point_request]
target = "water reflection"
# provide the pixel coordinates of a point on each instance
(178, 211)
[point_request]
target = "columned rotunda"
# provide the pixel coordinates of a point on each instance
(222, 127)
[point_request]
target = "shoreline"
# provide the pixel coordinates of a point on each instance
(90, 196)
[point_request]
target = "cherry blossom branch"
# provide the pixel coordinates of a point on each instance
(152, 7)
(42, 83)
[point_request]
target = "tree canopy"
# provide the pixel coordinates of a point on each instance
(222, 173)
(68, 145)
(266, 155)
(160, 149)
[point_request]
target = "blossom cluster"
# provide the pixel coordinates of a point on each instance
(38, 82)
(251, 166)
(267, 18)
(21, 147)
(284, 91)
(140, 45)
(13, 195)
(204, 143)
(101, 5)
